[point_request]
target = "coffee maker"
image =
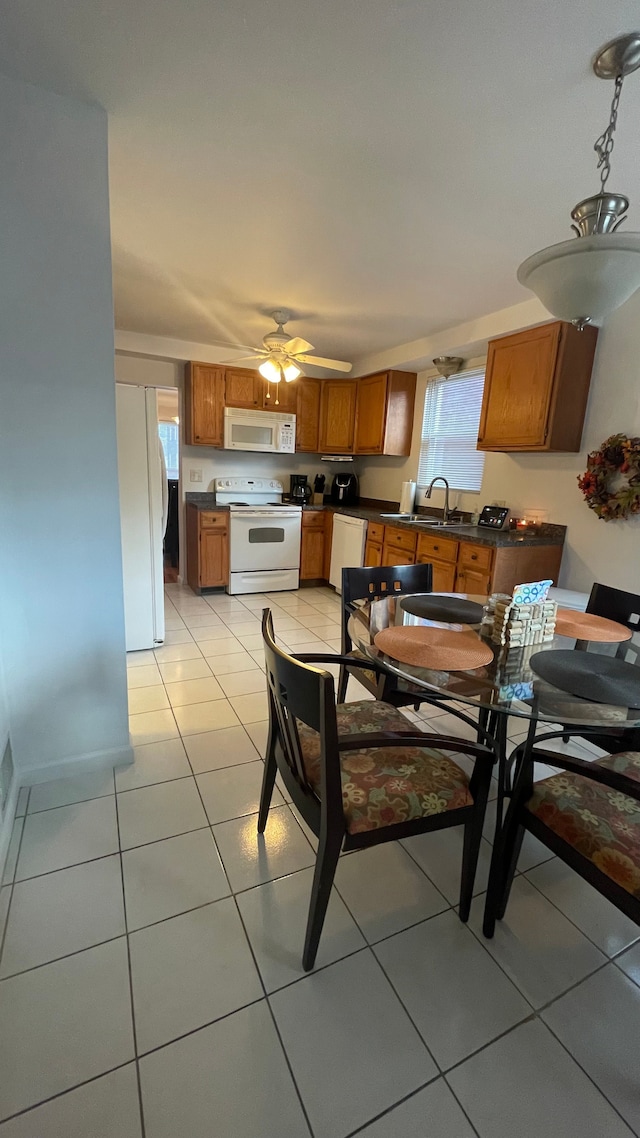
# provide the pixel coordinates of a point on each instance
(344, 489)
(300, 490)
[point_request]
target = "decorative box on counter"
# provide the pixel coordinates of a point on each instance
(526, 617)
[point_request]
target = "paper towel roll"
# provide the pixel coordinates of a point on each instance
(407, 497)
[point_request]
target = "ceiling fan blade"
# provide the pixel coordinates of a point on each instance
(318, 361)
(296, 345)
(257, 355)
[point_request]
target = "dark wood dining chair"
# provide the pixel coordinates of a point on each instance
(589, 816)
(623, 607)
(358, 777)
(372, 583)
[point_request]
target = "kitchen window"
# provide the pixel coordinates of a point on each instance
(450, 431)
(169, 438)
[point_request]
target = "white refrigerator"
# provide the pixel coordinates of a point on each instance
(143, 514)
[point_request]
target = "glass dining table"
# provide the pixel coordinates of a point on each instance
(539, 684)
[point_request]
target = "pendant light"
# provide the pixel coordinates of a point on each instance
(583, 281)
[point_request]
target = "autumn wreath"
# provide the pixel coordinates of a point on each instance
(611, 482)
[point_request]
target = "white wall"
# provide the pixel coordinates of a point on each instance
(594, 550)
(61, 608)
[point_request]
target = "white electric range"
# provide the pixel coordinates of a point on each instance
(264, 535)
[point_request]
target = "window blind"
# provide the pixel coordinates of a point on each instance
(450, 431)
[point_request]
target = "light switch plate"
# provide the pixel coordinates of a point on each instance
(195, 476)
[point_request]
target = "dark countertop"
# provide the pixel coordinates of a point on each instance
(548, 534)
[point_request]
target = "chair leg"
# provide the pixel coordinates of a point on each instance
(343, 680)
(268, 779)
(471, 848)
(503, 869)
(326, 862)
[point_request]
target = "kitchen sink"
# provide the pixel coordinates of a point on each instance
(403, 517)
(425, 520)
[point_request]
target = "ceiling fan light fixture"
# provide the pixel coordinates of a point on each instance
(291, 371)
(270, 370)
(583, 281)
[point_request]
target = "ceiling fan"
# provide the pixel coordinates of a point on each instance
(282, 355)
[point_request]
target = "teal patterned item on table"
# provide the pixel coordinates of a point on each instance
(531, 593)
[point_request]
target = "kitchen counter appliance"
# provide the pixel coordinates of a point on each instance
(300, 491)
(344, 489)
(259, 431)
(264, 535)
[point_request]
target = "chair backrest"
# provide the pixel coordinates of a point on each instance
(372, 582)
(615, 604)
(302, 692)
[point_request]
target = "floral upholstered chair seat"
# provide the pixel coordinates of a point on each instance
(600, 823)
(384, 786)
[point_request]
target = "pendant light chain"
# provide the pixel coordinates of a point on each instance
(604, 145)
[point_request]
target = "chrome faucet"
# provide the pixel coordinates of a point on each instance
(427, 493)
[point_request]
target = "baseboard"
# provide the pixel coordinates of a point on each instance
(8, 818)
(79, 764)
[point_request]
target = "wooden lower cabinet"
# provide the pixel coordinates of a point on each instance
(372, 553)
(444, 574)
(312, 546)
(207, 548)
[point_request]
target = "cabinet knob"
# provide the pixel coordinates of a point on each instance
(474, 556)
(436, 547)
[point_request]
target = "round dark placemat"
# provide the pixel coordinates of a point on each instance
(590, 675)
(448, 610)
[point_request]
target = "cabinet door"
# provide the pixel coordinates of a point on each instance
(204, 403)
(213, 558)
(518, 390)
(337, 415)
(371, 414)
(392, 555)
(312, 553)
(307, 414)
(372, 553)
(243, 388)
(473, 581)
(285, 393)
(444, 574)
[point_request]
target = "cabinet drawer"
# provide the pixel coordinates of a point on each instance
(391, 555)
(475, 556)
(375, 532)
(213, 521)
(439, 548)
(400, 538)
(313, 519)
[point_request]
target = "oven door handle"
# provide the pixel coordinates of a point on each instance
(258, 514)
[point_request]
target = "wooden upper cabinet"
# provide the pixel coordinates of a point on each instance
(243, 388)
(203, 405)
(284, 392)
(307, 414)
(384, 413)
(338, 415)
(536, 389)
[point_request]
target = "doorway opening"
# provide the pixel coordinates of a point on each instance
(169, 432)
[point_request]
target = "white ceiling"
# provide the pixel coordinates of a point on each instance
(379, 166)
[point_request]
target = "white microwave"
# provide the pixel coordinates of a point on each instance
(259, 430)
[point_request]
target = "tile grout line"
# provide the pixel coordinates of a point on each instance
(130, 971)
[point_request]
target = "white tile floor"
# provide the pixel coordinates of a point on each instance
(150, 981)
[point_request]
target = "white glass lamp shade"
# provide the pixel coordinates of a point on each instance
(271, 371)
(585, 277)
(291, 371)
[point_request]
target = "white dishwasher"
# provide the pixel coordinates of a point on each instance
(347, 546)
